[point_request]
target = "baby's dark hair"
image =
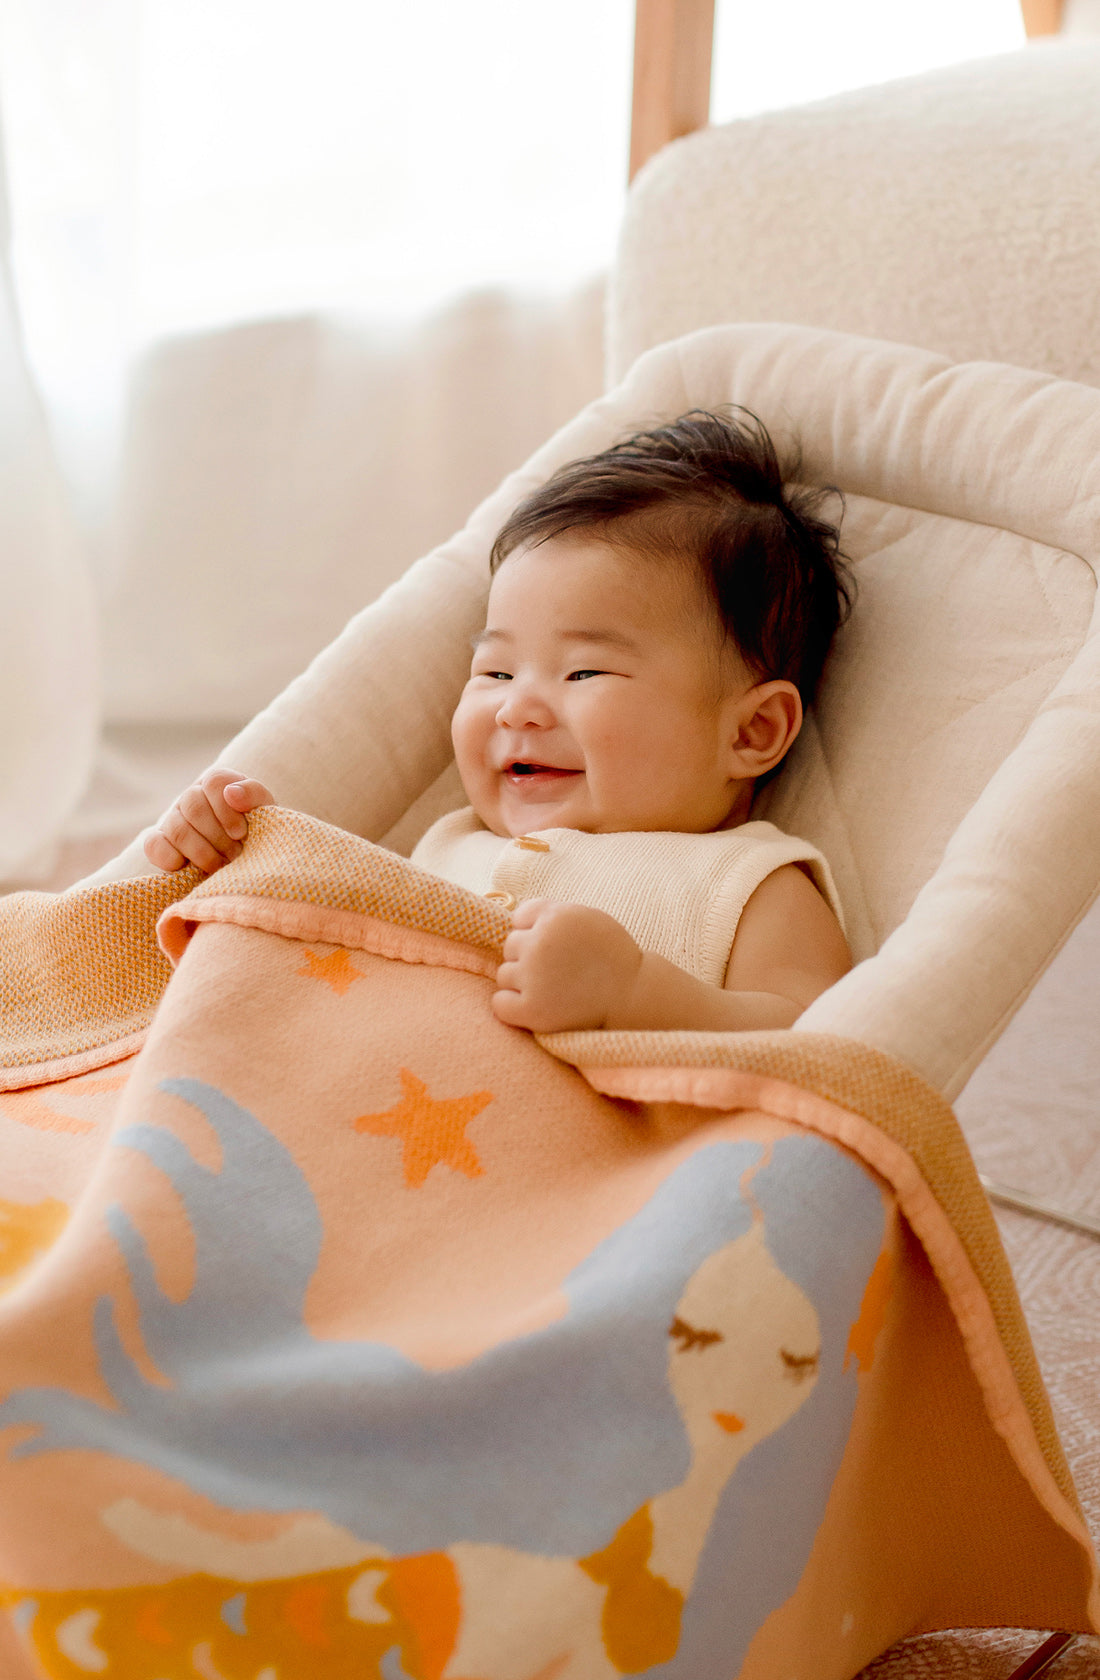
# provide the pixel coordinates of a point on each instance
(709, 488)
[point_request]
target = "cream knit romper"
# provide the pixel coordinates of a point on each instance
(680, 895)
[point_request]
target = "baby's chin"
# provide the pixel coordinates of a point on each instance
(534, 819)
(513, 818)
(497, 824)
(515, 829)
(533, 815)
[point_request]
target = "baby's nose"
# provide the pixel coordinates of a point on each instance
(524, 706)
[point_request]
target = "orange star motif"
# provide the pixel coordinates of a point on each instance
(337, 969)
(432, 1129)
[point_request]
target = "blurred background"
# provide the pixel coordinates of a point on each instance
(289, 287)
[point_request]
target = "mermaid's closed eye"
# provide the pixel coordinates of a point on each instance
(689, 1337)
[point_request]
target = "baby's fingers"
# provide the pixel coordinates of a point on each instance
(162, 854)
(190, 840)
(515, 945)
(515, 1010)
(245, 795)
(525, 915)
(202, 809)
(208, 794)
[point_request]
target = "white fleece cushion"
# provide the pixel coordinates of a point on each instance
(961, 634)
(949, 772)
(957, 210)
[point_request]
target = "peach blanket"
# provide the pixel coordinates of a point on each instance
(346, 1331)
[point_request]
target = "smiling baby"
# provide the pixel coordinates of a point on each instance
(658, 619)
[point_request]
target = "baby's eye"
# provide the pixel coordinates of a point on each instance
(498, 676)
(578, 676)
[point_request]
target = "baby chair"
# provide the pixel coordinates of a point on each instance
(933, 246)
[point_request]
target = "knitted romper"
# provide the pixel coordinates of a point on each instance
(680, 895)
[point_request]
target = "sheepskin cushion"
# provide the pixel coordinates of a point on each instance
(956, 210)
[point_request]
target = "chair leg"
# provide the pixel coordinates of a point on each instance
(1041, 17)
(1042, 1657)
(673, 41)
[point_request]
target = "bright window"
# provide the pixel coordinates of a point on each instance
(181, 163)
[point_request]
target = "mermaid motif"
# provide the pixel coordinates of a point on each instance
(564, 1483)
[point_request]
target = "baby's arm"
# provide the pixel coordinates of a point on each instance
(207, 823)
(567, 967)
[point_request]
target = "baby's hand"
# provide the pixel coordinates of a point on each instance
(207, 824)
(565, 966)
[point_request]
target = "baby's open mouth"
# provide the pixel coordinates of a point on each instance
(526, 770)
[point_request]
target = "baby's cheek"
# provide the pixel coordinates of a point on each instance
(615, 749)
(461, 724)
(469, 737)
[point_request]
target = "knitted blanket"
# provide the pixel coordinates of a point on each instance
(348, 1332)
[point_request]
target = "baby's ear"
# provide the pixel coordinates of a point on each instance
(769, 717)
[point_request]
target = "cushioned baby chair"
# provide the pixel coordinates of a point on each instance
(936, 245)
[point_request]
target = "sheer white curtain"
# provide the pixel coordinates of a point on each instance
(300, 281)
(180, 167)
(48, 652)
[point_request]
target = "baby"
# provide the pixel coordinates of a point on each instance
(658, 617)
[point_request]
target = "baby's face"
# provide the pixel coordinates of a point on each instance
(600, 697)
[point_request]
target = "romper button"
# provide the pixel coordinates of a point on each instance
(532, 843)
(504, 899)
